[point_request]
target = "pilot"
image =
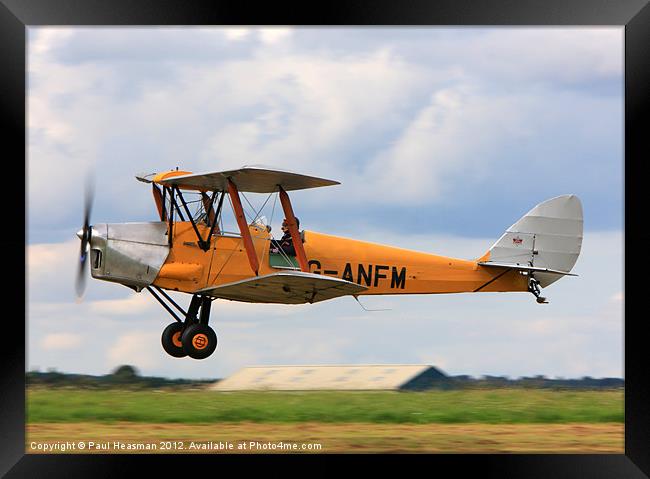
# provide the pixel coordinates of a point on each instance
(285, 243)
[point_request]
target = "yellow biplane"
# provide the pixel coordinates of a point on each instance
(189, 251)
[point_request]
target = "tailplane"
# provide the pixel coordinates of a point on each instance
(544, 244)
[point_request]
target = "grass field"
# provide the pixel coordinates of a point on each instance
(499, 406)
(468, 421)
(334, 438)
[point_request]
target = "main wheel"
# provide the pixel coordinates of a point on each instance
(171, 340)
(199, 341)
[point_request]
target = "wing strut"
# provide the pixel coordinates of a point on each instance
(293, 229)
(209, 210)
(158, 198)
(243, 227)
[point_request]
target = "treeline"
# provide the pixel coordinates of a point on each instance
(537, 382)
(123, 377)
(127, 377)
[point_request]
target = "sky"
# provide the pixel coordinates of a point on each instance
(441, 139)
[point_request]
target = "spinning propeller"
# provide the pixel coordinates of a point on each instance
(84, 235)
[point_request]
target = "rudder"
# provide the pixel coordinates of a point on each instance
(548, 236)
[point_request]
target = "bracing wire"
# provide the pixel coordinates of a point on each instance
(263, 205)
(281, 251)
(249, 203)
(255, 217)
(366, 309)
(233, 208)
(275, 200)
(233, 250)
(257, 212)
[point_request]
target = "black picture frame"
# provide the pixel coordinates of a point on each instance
(634, 15)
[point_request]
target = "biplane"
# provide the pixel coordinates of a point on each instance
(187, 250)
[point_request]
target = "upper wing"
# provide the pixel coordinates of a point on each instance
(247, 179)
(291, 287)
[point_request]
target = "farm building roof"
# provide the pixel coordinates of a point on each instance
(350, 377)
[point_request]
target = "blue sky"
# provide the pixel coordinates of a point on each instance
(441, 138)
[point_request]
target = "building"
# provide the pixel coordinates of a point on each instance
(396, 377)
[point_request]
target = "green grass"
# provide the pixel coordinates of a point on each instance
(502, 406)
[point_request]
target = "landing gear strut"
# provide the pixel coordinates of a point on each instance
(533, 287)
(190, 337)
(198, 339)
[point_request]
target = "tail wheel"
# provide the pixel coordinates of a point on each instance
(171, 340)
(199, 341)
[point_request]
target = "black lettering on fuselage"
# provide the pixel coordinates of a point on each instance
(379, 275)
(316, 263)
(347, 273)
(398, 281)
(365, 274)
(366, 277)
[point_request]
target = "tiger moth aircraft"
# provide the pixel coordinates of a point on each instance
(189, 251)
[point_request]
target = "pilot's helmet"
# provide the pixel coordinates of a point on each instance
(285, 223)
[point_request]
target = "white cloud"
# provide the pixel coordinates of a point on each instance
(274, 34)
(569, 54)
(51, 270)
(61, 341)
(418, 122)
(140, 348)
(43, 40)
(236, 33)
(136, 303)
(306, 106)
(435, 144)
(50, 258)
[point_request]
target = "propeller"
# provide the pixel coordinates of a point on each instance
(84, 235)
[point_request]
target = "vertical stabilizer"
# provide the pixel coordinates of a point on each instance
(548, 236)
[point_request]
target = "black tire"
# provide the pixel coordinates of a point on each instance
(171, 340)
(199, 341)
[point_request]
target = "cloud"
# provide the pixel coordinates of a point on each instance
(274, 35)
(43, 40)
(406, 117)
(539, 55)
(134, 304)
(51, 270)
(51, 274)
(434, 145)
(61, 341)
(141, 348)
(235, 33)
(571, 55)
(302, 104)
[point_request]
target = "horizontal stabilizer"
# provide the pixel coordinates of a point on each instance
(290, 287)
(523, 267)
(247, 179)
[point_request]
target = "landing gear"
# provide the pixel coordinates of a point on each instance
(533, 287)
(199, 341)
(192, 336)
(171, 340)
